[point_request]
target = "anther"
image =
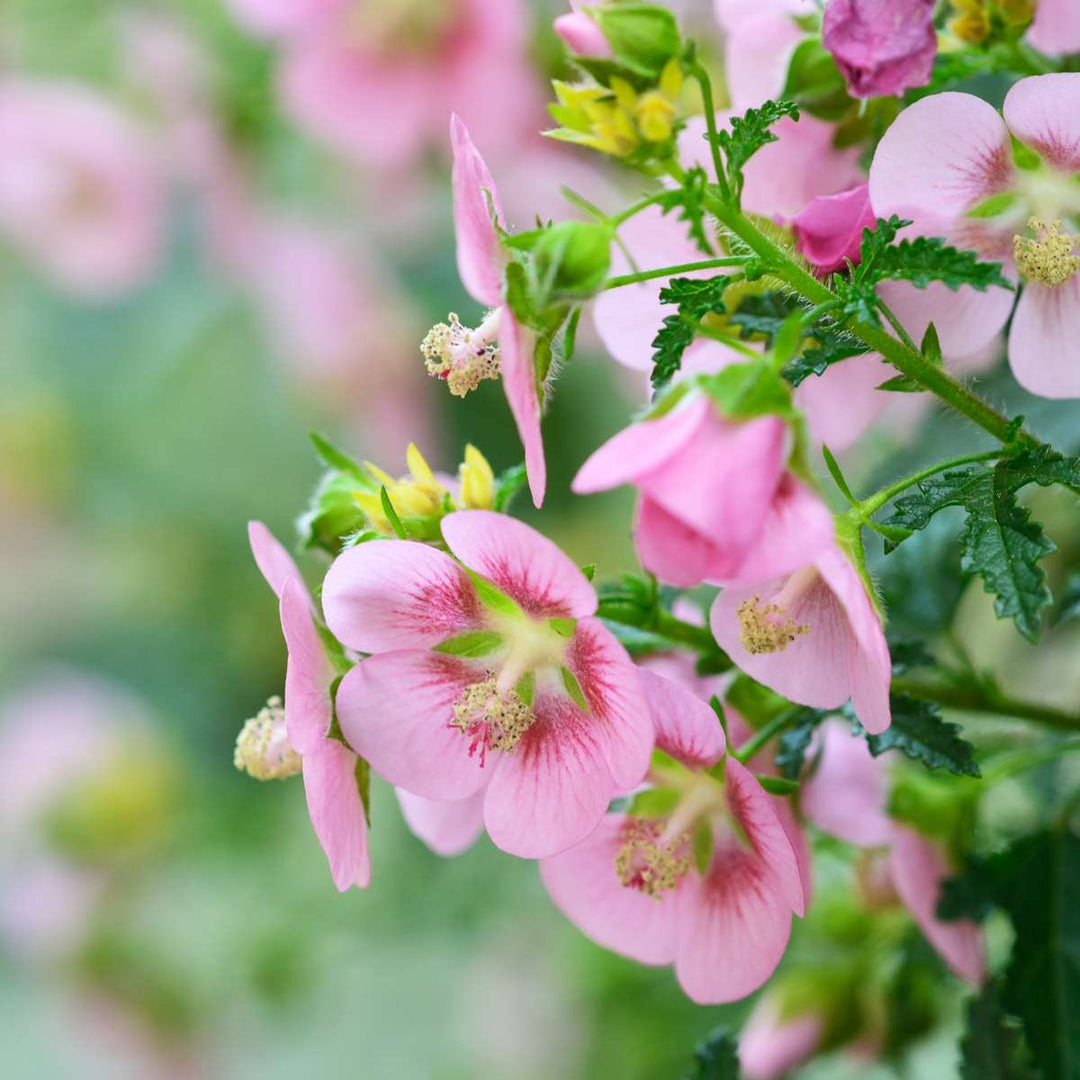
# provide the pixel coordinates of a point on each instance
(766, 628)
(1047, 259)
(462, 356)
(646, 863)
(492, 720)
(262, 747)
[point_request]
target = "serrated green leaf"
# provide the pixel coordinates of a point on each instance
(687, 199)
(990, 1048)
(918, 731)
(474, 643)
(830, 346)
(747, 134)
(763, 314)
(793, 743)
(906, 655)
(716, 1058)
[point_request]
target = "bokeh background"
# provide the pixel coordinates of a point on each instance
(268, 268)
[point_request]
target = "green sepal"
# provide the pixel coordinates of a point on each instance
(745, 391)
(838, 477)
(643, 37)
(1024, 157)
(994, 205)
(563, 627)
(475, 643)
(573, 688)
(815, 82)
(589, 570)
(507, 484)
(363, 786)
(777, 785)
(704, 846)
(492, 598)
(657, 802)
(526, 688)
(571, 260)
(334, 458)
(392, 515)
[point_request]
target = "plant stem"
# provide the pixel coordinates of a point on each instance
(752, 746)
(668, 271)
(698, 73)
(698, 638)
(636, 208)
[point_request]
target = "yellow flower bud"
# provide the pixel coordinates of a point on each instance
(477, 481)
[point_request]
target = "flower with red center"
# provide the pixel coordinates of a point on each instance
(699, 873)
(814, 636)
(949, 165)
(488, 673)
(716, 500)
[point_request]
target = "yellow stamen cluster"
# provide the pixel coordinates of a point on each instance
(493, 720)
(766, 628)
(647, 864)
(1049, 258)
(462, 356)
(262, 748)
(617, 119)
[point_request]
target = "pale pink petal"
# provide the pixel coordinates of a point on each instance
(274, 562)
(395, 710)
(686, 728)
(337, 812)
(844, 401)
(521, 562)
(281, 18)
(1042, 112)
(1056, 29)
(846, 793)
(918, 868)
(941, 156)
(308, 709)
(448, 828)
(582, 35)
(1044, 340)
(757, 53)
(523, 397)
(770, 1047)
(397, 594)
(585, 887)
(674, 552)
(479, 254)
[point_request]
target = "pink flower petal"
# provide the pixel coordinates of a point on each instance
(397, 594)
(448, 828)
(395, 710)
(274, 18)
(757, 53)
(942, 155)
(770, 1047)
(585, 887)
(1041, 112)
(846, 793)
(522, 395)
(337, 812)
(1044, 340)
(828, 230)
(479, 254)
(918, 869)
(273, 561)
(521, 562)
(686, 728)
(582, 35)
(844, 401)
(674, 552)
(308, 710)
(1056, 29)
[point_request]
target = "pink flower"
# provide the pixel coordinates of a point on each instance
(329, 768)
(709, 886)
(846, 795)
(716, 501)
(581, 33)
(1056, 29)
(947, 164)
(81, 191)
(771, 1046)
(448, 828)
(488, 676)
(828, 230)
(814, 636)
(480, 263)
(882, 47)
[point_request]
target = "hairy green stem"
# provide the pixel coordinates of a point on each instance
(668, 271)
(861, 511)
(753, 746)
(701, 76)
(636, 208)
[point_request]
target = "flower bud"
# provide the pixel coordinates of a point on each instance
(573, 259)
(642, 37)
(582, 35)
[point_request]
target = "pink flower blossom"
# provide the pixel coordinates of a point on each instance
(581, 33)
(814, 636)
(329, 768)
(1056, 28)
(947, 164)
(828, 230)
(488, 676)
(882, 47)
(480, 263)
(771, 1046)
(81, 191)
(716, 501)
(636, 884)
(448, 828)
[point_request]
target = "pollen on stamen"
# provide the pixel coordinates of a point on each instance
(262, 747)
(646, 864)
(491, 721)
(765, 627)
(1049, 258)
(462, 356)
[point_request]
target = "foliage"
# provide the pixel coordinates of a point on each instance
(748, 134)
(695, 298)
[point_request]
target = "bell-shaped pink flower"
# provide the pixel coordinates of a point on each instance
(581, 33)
(947, 164)
(716, 501)
(82, 193)
(882, 47)
(814, 636)
(488, 674)
(1056, 27)
(480, 263)
(641, 885)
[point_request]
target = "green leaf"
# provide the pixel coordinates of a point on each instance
(474, 643)
(747, 134)
(392, 514)
(792, 745)
(763, 314)
(831, 345)
(918, 732)
(695, 298)
(1069, 606)
(815, 82)
(687, 199)
(716, 1058)
(906, 655)
(338, 459)
(838, 476)
(990, 1048)
(777, 785)
(507, 484)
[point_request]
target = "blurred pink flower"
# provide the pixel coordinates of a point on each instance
(716, 501)
(771, 1046)
(521, 695)
(635, 886)
(581, 33)
(82, 194)
(939, 165)
(1056, 29)
(882, 47)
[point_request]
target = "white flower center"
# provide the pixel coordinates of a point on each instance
(462, 356)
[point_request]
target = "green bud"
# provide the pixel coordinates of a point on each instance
(643, 37)
(573, 259)
(333, 513)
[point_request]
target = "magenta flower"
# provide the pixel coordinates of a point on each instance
(828, 230)
(709, 886)
(581, 33)
(1056, 28)
(716, 500)
(329, 768)
(467, 355)
(814, 636)
(882, 47)
(488, 674)
(947, 164)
